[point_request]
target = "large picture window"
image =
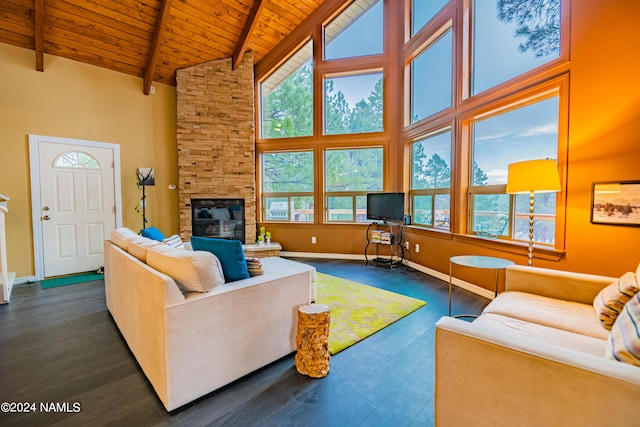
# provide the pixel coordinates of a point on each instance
(431, 181)
(357, 31)
(354, 104)
(431, 75)
(287, 97)
(287, 186)
(512, 37)
(525, 133)
(349, 175)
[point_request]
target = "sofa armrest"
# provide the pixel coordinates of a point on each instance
(578, 287)
(490, 378)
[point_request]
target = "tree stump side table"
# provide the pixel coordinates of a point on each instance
(312, 340)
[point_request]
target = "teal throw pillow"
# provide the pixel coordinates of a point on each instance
(152, 233)
(229, 252)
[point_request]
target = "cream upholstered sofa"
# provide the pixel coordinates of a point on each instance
(191, 343)
(534, 357)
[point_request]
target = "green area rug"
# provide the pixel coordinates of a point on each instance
(358, 311)
(70, 280)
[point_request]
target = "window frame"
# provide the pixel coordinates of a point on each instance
(354, 193)
(550, 76)
(264, 195)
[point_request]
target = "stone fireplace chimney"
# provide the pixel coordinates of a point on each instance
(216, 138)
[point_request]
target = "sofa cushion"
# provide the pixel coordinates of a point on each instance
(152, 233)
(174, 241)
(555, 313)
(138, 247)
(611, 300)
(121, 236)
(624, 341)
(546, 334)
(192, 271)
(229, 252)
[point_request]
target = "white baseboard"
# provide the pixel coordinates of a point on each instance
(322, 255)
(22, 280)
(478, 290)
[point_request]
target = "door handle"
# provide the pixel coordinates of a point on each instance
(46, 218)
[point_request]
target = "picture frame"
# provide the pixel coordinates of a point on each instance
(616, 203)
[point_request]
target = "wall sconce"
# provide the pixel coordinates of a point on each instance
(533, 176)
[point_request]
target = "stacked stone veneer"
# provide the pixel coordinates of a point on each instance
(216, 138)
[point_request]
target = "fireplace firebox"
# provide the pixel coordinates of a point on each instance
(221, 218)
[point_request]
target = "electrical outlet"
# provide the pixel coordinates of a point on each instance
(313, 239)
(406, 245)
(417, 248)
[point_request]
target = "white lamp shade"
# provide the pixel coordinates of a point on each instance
(539, 176)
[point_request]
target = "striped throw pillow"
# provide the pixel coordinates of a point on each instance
(174, 241)
(611, 300)
(624, 341)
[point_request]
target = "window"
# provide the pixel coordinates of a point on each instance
(422, 11)
(431, 74)
(431, 181)
(287, 97)
(349, 175)
(358, 31)
(512, 37)
(76, 159)
(527, 132)
(287, 186)
(347, 111)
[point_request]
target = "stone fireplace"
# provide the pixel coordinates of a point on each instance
(216, 140)
(219, 218)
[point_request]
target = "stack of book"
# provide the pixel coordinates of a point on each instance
(254, 265)
(376, 236)
(386, 238)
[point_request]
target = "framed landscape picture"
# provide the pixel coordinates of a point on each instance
(616, 203)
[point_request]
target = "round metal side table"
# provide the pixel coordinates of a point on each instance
(477, 261)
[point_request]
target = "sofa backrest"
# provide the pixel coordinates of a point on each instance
(193, 271)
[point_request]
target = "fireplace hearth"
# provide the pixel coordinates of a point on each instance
(220, 218)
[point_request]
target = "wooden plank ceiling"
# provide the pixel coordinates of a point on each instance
(150, 39)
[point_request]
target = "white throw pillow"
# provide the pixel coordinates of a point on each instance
(193, 271)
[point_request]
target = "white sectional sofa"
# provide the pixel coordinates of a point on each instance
(536, 356)
(191, 343)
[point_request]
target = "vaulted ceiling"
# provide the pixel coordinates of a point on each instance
(150, 39)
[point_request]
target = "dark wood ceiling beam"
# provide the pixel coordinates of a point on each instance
(247, 32)
(38, 33)
(156, 43)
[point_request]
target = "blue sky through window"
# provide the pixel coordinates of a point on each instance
(530, 132)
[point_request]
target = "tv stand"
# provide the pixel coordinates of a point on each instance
(385, 235)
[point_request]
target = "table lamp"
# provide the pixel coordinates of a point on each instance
(533, 176)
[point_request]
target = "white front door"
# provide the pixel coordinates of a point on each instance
(77, 205)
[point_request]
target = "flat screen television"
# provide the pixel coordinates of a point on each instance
(385, 206)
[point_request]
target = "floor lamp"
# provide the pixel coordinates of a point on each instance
(146, 177)
(529, 177)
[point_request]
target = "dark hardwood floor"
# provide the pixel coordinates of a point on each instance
(60, 345)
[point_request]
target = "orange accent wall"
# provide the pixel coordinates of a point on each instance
(604, 145)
